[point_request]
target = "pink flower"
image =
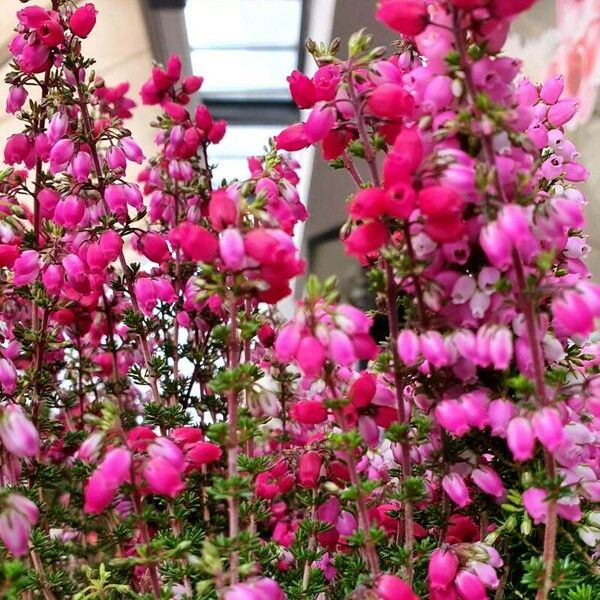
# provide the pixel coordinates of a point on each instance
(292, 138)
(486, 574)
(26, 268)
(326, 81)
(309, 469)
(287, 342)
(217, 131)
(408, 17)
(451, 415)
(17, 96)
(552, 89)
(548, 428)
(519, 435)
(508, 8)
(391, 101)
(319, 123)
(19, 149)
(310, 356)
(562, 112)
(469, 586)
(115, 158)
(111, 244)
(501, 412)
(8, 376)
(341, 349)
(104, 482)
(487, 480)
(117, 464)
(198, 243)
(433, 348)
(164, 448)
(309, 412)
(408, 347)
(132, 150)
(366, 238)
(50, 33)
(163, 477)
(61, 155)
(192, 83)
(346, 523)
(57, 127)
(302, 90)
(442, 569)
(145, 293)
(99, 493)
(390, 587)
(32, 16)
(82, 20)
(258, 589)
(454, 485)
(534, 501)
(203, 453)
(501, 348)
(222, 210)
(53, 279)
(17, 432)
(231, 249)
(154, 247)
(571, 312)
(496, 245)
(16, 520)
(70, 211)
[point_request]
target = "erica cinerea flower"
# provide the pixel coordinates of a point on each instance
(18, 515)
(169, 421)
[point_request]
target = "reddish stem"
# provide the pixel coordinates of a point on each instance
(145, 348)
(392, 314)
(233, 442)
(531, 323)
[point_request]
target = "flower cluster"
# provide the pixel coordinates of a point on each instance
(159, 417)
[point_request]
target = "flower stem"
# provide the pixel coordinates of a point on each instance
(145, 536)
(403, 417)
(392, 314)
(233, 443)
(145, 348)
(531, 324)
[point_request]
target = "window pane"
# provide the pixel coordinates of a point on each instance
(244, 73)
(240, 142)
(239, 23)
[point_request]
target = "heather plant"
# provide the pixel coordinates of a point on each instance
(166, 433)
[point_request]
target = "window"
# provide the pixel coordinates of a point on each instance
(245, 49)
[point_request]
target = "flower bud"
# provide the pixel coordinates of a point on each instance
(309, 469)
(519, 436)
(231, 249)
(454, 485)
(548, 428)
(442, 569)
(408, 17)
(17, 96)
(302, 90)
(82, 20)
(309, 412)
(18, 434)
(390, 587)
(487, 480)
(562, 112)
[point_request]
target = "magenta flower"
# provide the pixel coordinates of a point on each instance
(16, 520)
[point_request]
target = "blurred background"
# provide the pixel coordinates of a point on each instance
(245, 49)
